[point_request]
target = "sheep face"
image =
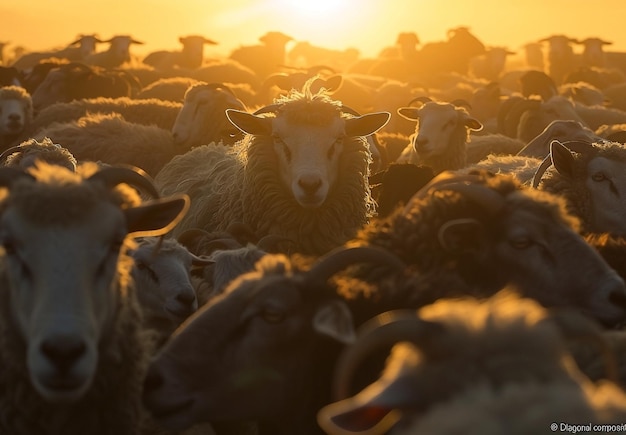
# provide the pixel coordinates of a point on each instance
(606, 181)
(308, 148)
(53, 89)
(438, 123)
(66, 272)
(255, 340)
(120, 48)
(163, 284)
(308, 158)
(14, 115)
(62, 293)
(204, 103)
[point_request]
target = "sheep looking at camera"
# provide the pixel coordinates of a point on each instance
(441, 135)
(301, 172)
(72, 346)
(16, 114)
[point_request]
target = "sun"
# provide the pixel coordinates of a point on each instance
(313, 7)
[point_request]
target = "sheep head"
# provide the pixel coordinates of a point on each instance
(308, 142)
(64, 264)
(16, 110)
(437, 125)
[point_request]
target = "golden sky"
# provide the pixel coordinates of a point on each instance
(367, 25)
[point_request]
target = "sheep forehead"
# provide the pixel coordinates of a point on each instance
(539, 209)
(437, 113)
(612, 167)
(308, 131)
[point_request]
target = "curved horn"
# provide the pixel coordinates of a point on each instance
(422, 99)
(8, 176)
(200, 261)
(136, 177)
(460, 102)
(272, 108)
(578, 146)
(543, 167)
(343, 257)
(5, 154)
(377, 334)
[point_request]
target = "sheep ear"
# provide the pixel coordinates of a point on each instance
(562, 159)
(249, 123)
(411, 113)
(155, 218)
(366, 124)
(473, 124)
(461, 236)
(334, 319)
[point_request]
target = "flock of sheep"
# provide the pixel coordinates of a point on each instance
(301, 240)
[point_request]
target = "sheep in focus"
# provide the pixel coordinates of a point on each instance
(301, 172)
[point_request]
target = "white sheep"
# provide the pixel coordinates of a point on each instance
(441, 134)
(116, 55)
(561, 59)
(110, 139)
(191, 56)
(16, 114)
(266, 58)
(72, 346)
(78, 50)
(162, 276)
(300, 172)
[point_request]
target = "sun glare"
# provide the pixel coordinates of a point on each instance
(314, 7)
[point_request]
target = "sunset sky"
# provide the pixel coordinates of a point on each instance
(367, 25)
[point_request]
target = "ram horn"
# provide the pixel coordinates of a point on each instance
(377, 335)
(113, 175)
(343, 257)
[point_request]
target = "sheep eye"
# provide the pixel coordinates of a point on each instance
(521, 242)
(598, 176)
(272, 315)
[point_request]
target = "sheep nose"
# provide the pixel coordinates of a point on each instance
(186, 297)
(310, 184)
(63, 351)
(15, 117)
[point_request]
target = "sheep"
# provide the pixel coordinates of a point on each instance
(301, 174)
(226, 71)
(72, 346)
(533, 55)
(110, 139)
(590, 178)
(263, 59)
(593, 52)
(78, 50)
(596, 116)
(561, 59)
(486, 231)
(151, 111)
(27, 153)
(583, 93)
(490, 64)
(202, 118)
(561, 130)
(76, 80)
(169, 89)
(10, 76)
(116, 55)
(161, 273)
(16, 114)
(303, 54)
(190, 57)
(504, 360)
(280, 331)
(441, 134)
